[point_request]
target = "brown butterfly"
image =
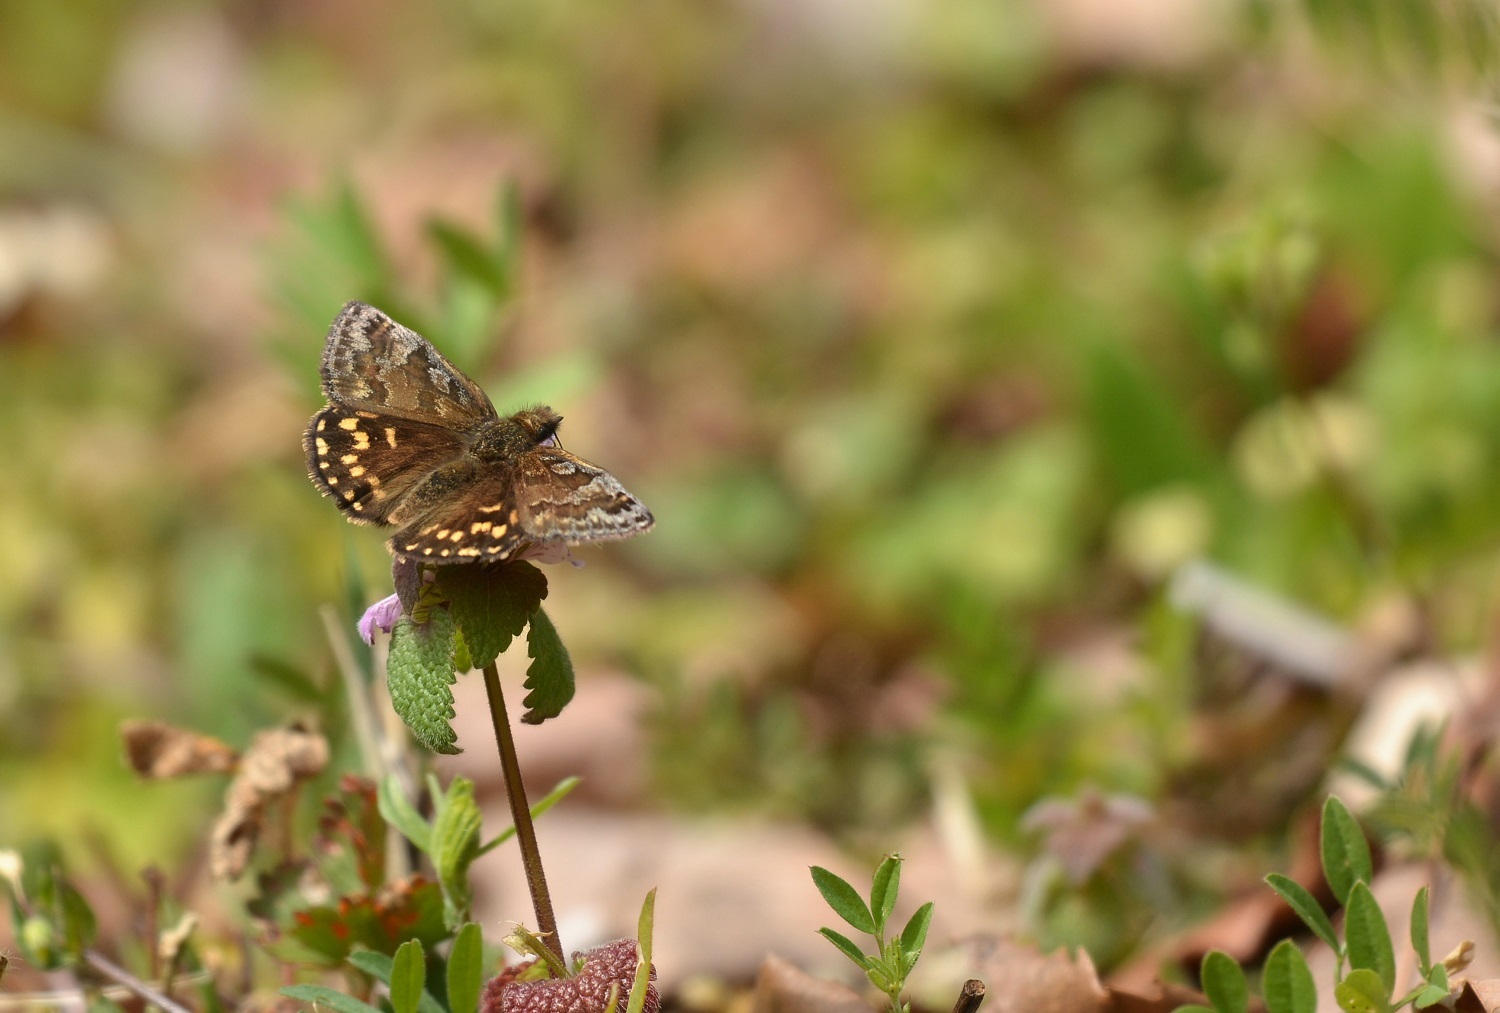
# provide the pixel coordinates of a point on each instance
(408, 441)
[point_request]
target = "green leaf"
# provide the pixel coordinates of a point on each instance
(418, 674)
(1430, 995)
(79, 924)
(1436, 989)
(408, 975)
(847, 947)
(466, 969)
(491, 604)
(383, 968)
(321, 995)
(1346, 853)
(468, 258)
(549, 677)
(546, 802)
(455, 845)
(1369, 939)
(461, 660)
(844, 899)
(1419, 940)
(644, 927)
(1224, 982)
(1286, 984)
(1190, 1008)
(397, 810)
(915, 935)
(1362, 991)
(1307, 908)
(883, 888)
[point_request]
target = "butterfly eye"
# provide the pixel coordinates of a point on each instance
(550, 441)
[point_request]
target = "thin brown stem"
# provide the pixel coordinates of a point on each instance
(520, 813)
(107, 968)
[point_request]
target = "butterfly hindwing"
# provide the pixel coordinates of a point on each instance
(371, 362)
(367, 462)
(481, 525)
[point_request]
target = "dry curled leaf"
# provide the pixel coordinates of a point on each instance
(270, 770)
(157, 750)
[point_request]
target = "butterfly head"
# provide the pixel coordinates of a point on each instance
(509, 438)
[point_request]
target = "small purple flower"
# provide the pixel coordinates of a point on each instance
(383, 613)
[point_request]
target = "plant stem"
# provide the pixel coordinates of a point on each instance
(520, 813)
(104, 966)
(970, 997)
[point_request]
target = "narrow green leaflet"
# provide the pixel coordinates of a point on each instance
(466, 970)
(883, 888)
(549, 678)
(846, 947)
(844, 899)
(1346, 853)
(328, 998)
(397, 810)
(1224, 982)
(1419, 941)
(491, 604)
(547, 801)
(1286, 984)
(383, 968)
(1362, 991)
(644, 927)
(1369, 939)
(915, 935)
(455, 845)
(1307, 908)
(408, 975)
(419, 672)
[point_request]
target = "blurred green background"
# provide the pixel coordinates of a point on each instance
(935, 335)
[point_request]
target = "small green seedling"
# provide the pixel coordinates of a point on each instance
(894, 957)
(1366, 949)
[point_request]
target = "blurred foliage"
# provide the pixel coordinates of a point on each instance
(936, 337)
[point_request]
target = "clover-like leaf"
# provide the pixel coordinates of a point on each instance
(491, 604)
(418, 674)
(549, 677)
(1286, 983)
(883, 889)
(844, 899)
(1369, 938)
(1224, 982)
(1307, 908)
(1362, 991)
(1345, 852)
(466, 969)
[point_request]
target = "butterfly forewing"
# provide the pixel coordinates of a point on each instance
(367, 462)
(374, 363)
(563, 498)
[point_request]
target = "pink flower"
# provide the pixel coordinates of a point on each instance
(383, 613)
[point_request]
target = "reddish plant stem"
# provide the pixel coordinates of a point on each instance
(520, 812)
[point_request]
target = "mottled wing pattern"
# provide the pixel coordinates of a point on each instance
(480, 525)
(367, 462)
(371, 362)
(563, 498)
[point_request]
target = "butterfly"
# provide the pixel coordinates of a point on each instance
(408, 441)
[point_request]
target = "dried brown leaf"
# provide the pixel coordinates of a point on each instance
(157, 750)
